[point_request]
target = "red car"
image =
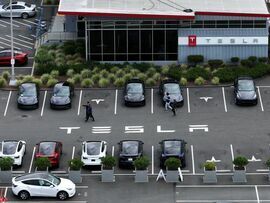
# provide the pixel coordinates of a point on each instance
(20, 57)
(50, 149)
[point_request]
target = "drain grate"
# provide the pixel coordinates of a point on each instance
(24, 116)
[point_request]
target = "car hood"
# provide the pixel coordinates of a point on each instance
(177, 97)
(27, 100)
(246, 94)
(134, 97)
(66, 183)
(60, 100)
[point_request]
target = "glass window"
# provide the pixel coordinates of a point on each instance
(133, 57)
(197, 24)
(93, 148)
(47, 148)
(259, 23)
(209, 24)
(95, 57)
(95, 41)
(121, 41)
(81, 28)
(133, 24)
(108, 57)
(171, 57)
(222, 24)
(120, 25)
(121, 57)
(130, 147)
(159, 41)
(133, 41)
(171, 41)
(9, 148)
(146, 57)
(31, 182)
(234, 24)
(146, 24)
(61, 91)
(108, 41)
(108, 25)
(95, 24)
(159, 24)
(247, 24)
(146, 41)
(172, 147)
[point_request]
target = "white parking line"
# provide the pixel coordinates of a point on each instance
(3, 25)
(28, 21)
(1, 47)
(27, 25)
(188, 104)
(260, 98)
(152, 160)
(257, 194)
(9, 23)
(5, 194)
(8, 40)
(192, 159)
(224, 99)
(115, 102)
(5, 113)
(8, 45)
(79, 105)
(152, 101)
(32, 159)
(26, 38)
(73, 152)
(112, 150)
(232, 152)
(30, 43)
(44, 100)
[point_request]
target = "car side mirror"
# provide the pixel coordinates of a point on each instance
(51, 186)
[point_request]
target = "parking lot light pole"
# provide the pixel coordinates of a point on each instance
(12, 81)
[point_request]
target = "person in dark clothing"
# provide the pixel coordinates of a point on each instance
(88, 112)
(173, 106)
(167, 101)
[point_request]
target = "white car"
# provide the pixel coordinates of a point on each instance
(92, 152)
(19, 9)
(13, 149)
(42, 185)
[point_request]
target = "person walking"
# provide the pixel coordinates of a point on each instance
(173, 107)
(167, 101)
(88, 111)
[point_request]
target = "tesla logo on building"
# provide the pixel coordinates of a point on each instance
(192, 40)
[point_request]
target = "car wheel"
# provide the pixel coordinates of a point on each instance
(62, 195)
(25, 15)
(24, 195)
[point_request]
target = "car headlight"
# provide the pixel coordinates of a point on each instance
(254, 96)
(67, 100)
(238, 95)
(142, 97)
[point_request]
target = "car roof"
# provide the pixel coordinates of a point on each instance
(173, 140)
(135, 80)
(31, 176)
(130, 141)
(169, 80)
(48, 141)
(28, 84)
(19, 2)
(244, 78)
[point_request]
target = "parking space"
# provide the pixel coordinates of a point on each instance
(265, 95)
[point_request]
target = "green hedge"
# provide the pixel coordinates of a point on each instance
(195, 59)
(196, 72)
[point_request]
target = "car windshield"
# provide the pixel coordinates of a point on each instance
(134, 88)
(55, 180)
(172, 88)
(5, 6)
(246, 85)
(9, 148)
(130, 147)
(28, 5)
(47, 148)
(28, 90)
(93, 148)
(172, 147)
(61, 91)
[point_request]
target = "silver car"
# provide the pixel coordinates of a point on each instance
(19, 9)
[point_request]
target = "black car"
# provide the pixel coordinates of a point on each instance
(172, 87)
(134, 93)
(129, 151)
(62, 96)
(28, 96)
(173, 148)
(245, 91)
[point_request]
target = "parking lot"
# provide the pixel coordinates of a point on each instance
(213, 126)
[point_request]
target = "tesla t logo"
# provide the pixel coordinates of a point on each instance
(192, 40)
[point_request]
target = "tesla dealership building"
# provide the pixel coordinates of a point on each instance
(168, 30)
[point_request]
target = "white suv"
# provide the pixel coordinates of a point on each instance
(42, 185)
(13, 149)
(92, 152)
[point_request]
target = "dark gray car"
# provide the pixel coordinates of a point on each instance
(19, 9)
(245, 91)
(62, 96)
(134, 93)
(28, 96)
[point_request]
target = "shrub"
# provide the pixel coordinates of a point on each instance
(114, 69)
(235, 59)
(18, 82)
(42, 163)
(183, 81)
(77, 78)
(103, 82)
(104, 73)
(6, 163)
(224, 74)
(95, 78)
(215, 81)
(134, 72)
(69, 47)
(210, 166)
(43, 68)
(127, 76)
(87, 82)
(75, 164)
(240, 162)
(150, 72)
(51, 82)
(156, 76)
(262, 59)
(43, 57)
(142, 76)
(184, 66)
(164, 70)
(215, 63)
(194, 73)
(19, 77)
(37, 82)
(70, 73)
(246, 63)
(108, 162)
(141, 163)
(150, 82)
(28, 78)
(95, 70)
(253, 59)
(119, 82)
(267, 163)
(111, 77)
(172, 163)
(85, 73)
(3, 82)
(120, 73)
(54, 73)
(199, 81)
(195, 59)
(44, 78)
(6, 75)
(174, 72)
(71, 81)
